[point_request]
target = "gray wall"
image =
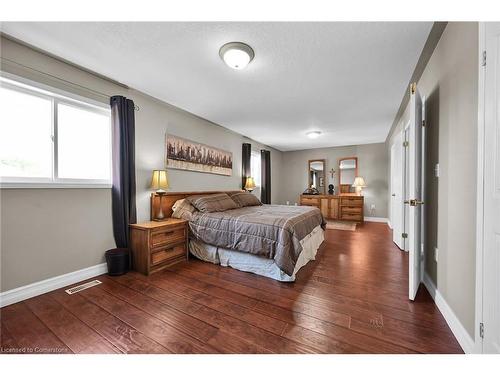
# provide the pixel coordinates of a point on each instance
(450, 84)
(154, 119)
(372, 165)
(49, 232)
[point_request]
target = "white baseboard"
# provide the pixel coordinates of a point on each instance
(24, 292)
(376, 219)
(461, 334)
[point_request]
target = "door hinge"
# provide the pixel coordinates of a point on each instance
(413, 88)
(483, 63)
(481, 330)
(406, 143)
(404, 235)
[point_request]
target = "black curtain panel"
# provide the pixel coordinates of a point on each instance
(265, 191)
(123, 193)
(246, 152)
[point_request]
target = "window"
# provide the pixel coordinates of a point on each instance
(49, 139)
(255, 167)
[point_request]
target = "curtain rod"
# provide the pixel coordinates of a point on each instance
(95, 92)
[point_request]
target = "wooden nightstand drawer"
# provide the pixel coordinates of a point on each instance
(168, 253)
(167, 236)
(156, 245)
(352, 202)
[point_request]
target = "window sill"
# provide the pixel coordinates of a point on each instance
(53, 185)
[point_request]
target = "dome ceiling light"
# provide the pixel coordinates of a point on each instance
(236, 55)
(313, 134)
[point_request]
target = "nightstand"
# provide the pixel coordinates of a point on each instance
(158, 244)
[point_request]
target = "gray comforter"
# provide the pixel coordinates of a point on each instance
(270, 231)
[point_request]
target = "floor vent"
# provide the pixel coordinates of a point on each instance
(79, 288)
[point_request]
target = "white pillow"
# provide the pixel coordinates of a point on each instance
(177, 204)
(183, 209)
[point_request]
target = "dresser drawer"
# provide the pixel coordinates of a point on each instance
(351, 217)
(352, 210)
(167, 236)
(309, 201)
(168, 253)
(352, 202)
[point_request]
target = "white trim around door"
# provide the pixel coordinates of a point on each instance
(478, 344)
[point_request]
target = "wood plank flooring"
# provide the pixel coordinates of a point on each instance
(352, 299)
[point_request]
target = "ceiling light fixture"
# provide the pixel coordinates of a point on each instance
(236, 55)
(313, 134)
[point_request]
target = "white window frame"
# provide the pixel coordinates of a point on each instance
(257, 154)
(56, 97)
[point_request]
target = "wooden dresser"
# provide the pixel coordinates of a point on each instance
(348, 207)
(158, 244)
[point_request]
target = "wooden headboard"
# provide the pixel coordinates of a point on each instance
(169, 199)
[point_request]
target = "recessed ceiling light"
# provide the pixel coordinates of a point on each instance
(236, 55)
(313, 134)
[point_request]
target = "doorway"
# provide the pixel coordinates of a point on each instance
(399, 189)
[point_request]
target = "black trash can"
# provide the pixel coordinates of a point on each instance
(118, 261)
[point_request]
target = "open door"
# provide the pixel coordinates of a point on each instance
(415, 144)
(491, 192)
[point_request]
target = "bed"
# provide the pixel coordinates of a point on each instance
(269, 240)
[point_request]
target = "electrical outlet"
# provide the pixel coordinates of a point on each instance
(372, 207)
(436, 254)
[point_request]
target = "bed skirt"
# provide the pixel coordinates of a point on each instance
(256, 264)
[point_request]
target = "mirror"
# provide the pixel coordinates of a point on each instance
(316, 173)
(348, 170)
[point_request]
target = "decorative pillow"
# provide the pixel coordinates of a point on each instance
(245, 199)
(212, 203)
(182, 209)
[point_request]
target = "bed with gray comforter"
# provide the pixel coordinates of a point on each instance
(270, 231)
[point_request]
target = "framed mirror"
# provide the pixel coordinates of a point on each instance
(316, 173)
(348, 170)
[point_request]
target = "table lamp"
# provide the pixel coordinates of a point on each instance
(359, 184)
(159, 182)
(249, 184)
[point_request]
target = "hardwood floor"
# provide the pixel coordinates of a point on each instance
(352, 299)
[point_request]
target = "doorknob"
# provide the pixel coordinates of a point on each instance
(414, 202)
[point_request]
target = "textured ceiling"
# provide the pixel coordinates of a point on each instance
(344, 79)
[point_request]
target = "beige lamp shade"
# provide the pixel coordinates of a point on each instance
(159, 180)
(359, 182)
(250, 184)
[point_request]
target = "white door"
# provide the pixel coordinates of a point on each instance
(414, 202)
(397, 207)
(491, 224)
